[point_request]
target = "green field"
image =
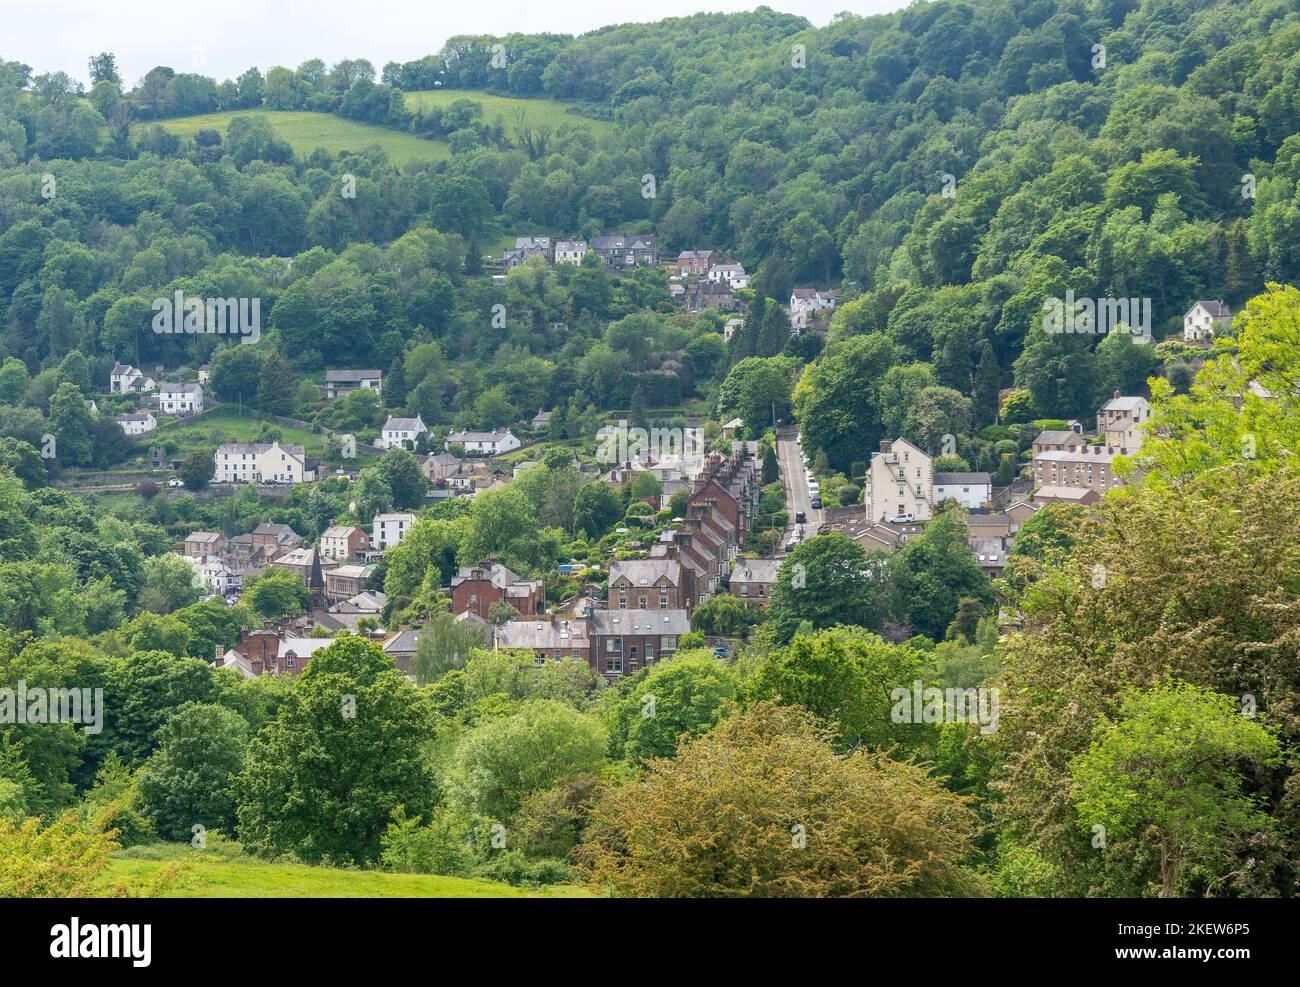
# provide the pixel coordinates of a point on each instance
(305, 132)
(220, 878)
(548, 112)
(226, 424)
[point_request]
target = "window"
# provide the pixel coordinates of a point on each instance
(643, 603)
(632, 654)
(614, 664)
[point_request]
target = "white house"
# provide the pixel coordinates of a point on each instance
(971, 490)
(402, 433)
(493, 443)
(899, 482)
(139, 423)
(807, 302)
(570, 251)
(180, 399)
(204, 371)
(388, 529)
(1205, 320)
(220, 578)
(126, 379)
(260, 462)
(731, 273)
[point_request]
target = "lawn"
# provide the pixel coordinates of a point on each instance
(305, 132)
(226, 424)
(548, 112)
(223, 878)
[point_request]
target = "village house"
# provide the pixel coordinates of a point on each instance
(402, 433)
(1058, 440)
(342, 382)
(968, 489)
(1088, 468)
(525, 247)
(570, 251)
(549, 640)
(807, 303)
(493, 443)
(271, 650)
(440, 466)
(204, 544)
(343, 543)
(273, 538)
(625, 641)
(220, 578)
(646, 584)
(261, 462)
(695, 263)
(475, 588)
(731, 327)
(137, 423)
(346, 581)
(389, 529)
(752, 580)
(619, 251)
(180, 400)
(703, 295)
(899, 482)
(1118, 421)
(1205, 320)
(730, 273)
(541, 421)
(205, 370)
(126, 379)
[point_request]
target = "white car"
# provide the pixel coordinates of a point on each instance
(902, 519)
(175, 481)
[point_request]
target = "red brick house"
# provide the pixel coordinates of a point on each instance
(475, 588)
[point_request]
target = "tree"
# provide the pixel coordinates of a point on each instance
(71, 422)
(764, 806)
(503, 759)
(834, 398)
(685, 695)
(844, 676)
(932, 571)
(323, 779)
(826, 581)
(236, 373)
(754, 390)
(197, 470)
(277, 593)
(723, 613)
(771, 470)
(187, 780)
(403, 477)
(1171, 769)
(988, 383)
(595, 509)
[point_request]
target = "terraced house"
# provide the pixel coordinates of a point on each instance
(261, 462)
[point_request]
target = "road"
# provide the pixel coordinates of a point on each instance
(797, 498)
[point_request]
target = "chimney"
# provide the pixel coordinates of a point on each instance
(886, 445)
(1117, 394)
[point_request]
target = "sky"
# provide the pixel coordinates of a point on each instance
(222, 38)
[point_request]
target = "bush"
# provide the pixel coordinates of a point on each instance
(441, 847)
(512, 867)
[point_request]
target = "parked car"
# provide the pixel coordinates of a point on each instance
(175, 481)
(817, 503)
(800, 517)
(902, 519)
(720, 652)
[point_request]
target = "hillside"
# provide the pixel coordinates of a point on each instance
(307, 132)
(538, 111)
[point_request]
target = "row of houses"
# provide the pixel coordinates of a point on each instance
(1071, 467)
(617, 250)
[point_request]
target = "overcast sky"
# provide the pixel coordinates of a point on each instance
(222, 38)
